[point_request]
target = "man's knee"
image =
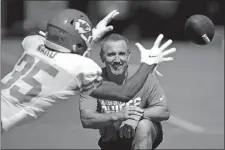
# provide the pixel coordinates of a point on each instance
(146, 130)
(145, 135)
(145, 127)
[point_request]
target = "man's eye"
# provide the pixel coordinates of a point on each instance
(122, 54)
(110, 54)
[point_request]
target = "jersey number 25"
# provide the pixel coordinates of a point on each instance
(24, 71)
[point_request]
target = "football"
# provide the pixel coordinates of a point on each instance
(199, 29)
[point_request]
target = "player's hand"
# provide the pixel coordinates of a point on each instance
(127, 128)
(157, 53)
(101, 29)
(130, 112)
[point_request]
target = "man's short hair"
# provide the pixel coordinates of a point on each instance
(114, 37)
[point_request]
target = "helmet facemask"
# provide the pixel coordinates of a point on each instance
(90, 44)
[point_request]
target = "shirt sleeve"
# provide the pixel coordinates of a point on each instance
(156, 96)
(24, 43)
(90, 78)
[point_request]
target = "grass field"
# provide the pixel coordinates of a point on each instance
(193, 82)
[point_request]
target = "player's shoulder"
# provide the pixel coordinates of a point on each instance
(75, 60)
(86, 63)
(78, 64)
(32, 42)
(91, 66)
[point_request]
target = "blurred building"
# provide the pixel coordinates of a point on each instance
(136, 19)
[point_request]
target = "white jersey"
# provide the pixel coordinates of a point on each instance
(42, 77)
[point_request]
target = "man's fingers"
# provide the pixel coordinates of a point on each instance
(170, 51)
(124, 134)
(134, 115)
(165, 45)
(115, 14)
(129, 131)
(132, 132)
(109, 28)
(121, 132)
(125, 131)
(167, 59)
(140, 47)
(158, 40)
(110, 16)
(134, 108)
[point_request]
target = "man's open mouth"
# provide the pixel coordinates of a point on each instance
(117, 66)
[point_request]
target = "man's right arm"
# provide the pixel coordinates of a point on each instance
(95, 120)
(125, 92)
(89, 115)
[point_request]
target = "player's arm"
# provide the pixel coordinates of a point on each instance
(157, 106)
(125, 92)
(92, 118)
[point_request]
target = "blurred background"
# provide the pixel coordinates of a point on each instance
(193, 82)
(137, 18)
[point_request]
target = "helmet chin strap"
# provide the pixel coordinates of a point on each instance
(90, 44)
(87, 53)
(42, 33)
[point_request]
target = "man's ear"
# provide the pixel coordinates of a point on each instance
(129, 56)
(102, 57)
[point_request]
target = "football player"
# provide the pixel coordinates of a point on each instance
(54, 66)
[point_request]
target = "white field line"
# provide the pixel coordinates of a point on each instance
(185, 125)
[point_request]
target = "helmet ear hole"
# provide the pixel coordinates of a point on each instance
(79, 45)
(72, 22)
(80, 48)
(60, 32)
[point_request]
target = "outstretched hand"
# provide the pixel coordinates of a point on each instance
(157, 53)
(101, 29)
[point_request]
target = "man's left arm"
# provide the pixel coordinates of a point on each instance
(156, 113)
(157, 103)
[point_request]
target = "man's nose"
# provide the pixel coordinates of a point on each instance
(117, 58)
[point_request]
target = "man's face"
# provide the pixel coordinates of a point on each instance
(116, 56)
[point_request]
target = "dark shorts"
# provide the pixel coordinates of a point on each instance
(126, 144)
